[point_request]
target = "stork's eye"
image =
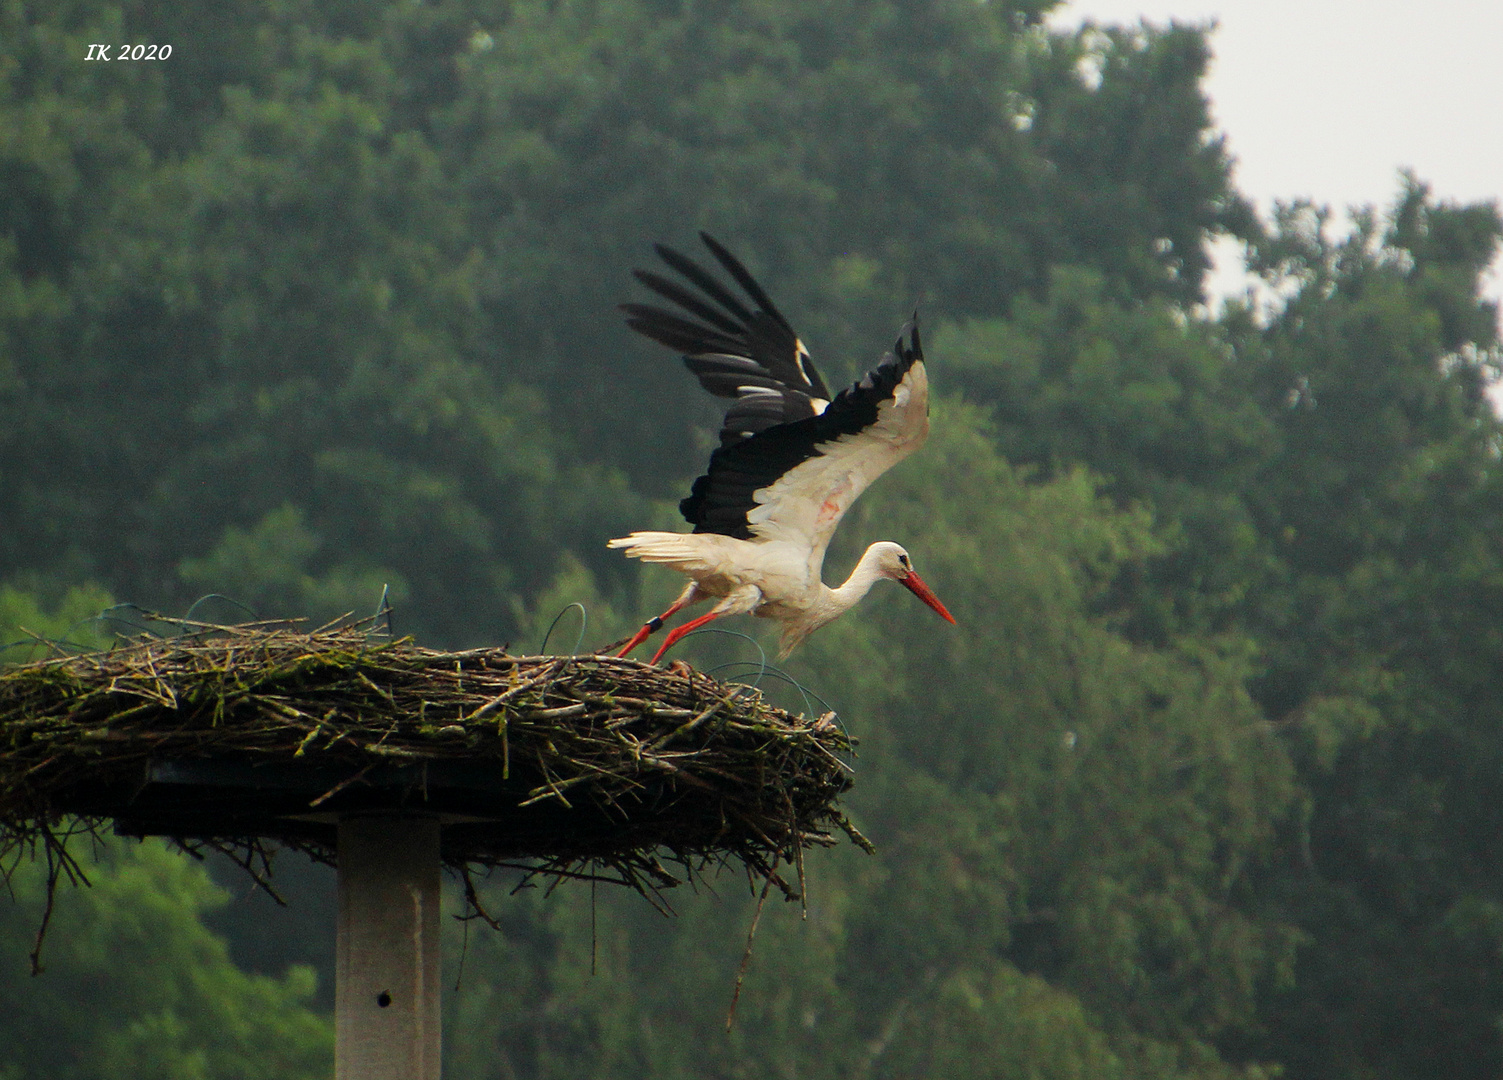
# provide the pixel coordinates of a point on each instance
(903, 559)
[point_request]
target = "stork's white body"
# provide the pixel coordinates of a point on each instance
(768, 580)
(792, 462)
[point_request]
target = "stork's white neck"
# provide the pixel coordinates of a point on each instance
(832, 603)
(846, 596)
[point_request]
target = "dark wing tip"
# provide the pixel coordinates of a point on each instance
(743, 278)
(726, 324)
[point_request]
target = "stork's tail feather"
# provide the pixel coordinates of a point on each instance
(671, 549)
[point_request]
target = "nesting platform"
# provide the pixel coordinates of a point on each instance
(578, 765)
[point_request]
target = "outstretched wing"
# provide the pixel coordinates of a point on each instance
(793, 482)
(746, 352)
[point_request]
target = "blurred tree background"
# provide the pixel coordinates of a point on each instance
(1205, 784)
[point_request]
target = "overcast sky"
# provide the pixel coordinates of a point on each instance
(1331, 98)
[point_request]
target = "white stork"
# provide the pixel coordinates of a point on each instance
(791, 459)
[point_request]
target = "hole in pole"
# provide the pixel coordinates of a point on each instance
(383, 999)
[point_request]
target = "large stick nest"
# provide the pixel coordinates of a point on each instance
(233, 737)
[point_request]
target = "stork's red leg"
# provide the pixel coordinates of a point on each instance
(679, 631)
(652, 626)
(643, 634)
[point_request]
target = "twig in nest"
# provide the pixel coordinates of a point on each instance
(730, 1016)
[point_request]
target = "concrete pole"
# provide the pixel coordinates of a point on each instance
(386, 999)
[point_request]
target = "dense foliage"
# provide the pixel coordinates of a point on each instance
(1205, 784)
(135, 986)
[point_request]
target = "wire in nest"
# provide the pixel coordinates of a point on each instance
(144, 622)
(383, 607)
(148, 620)
(108, 616)
(56, 645)
(762, 666)
(765, 669)
(809, 696)
(783, 676)
(584, 621)
(217, 596)
(63, 644)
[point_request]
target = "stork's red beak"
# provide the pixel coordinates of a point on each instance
(916, 586)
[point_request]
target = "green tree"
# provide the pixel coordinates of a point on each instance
(285, 293)
(1148, 400)
(1380, 634)
(135, 986)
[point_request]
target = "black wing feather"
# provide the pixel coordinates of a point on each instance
(676, 333)
(744, 279)
(737, 351)
(688, 301)
(722, 497)
(697, 274)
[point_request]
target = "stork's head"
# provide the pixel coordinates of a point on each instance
(894, 562)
